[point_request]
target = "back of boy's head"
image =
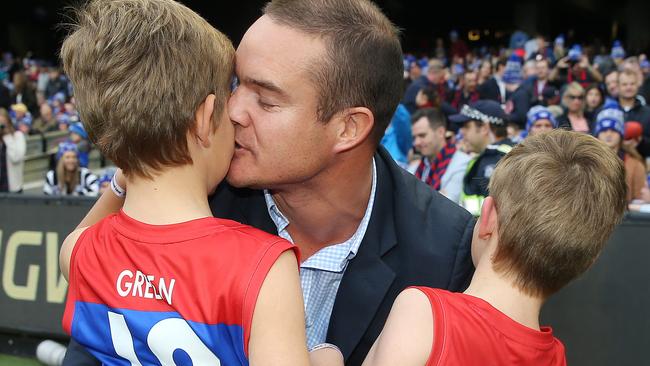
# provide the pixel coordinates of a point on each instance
(140, 70)
(558, 196)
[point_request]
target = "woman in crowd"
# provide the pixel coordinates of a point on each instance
(70, 179)
(573, 101)
(484, 71)
(594, 99)
(12, 155)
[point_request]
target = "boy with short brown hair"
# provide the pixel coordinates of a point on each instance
(162, 281)
(554, 201)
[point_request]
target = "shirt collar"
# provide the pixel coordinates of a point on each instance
(344, 251)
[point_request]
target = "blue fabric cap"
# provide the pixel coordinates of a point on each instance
(65, 147)
(78, 128)
(609, 119)
(537, 113)
(513, 74)
(617, 50)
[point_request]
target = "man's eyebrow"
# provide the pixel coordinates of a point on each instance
(265, 84)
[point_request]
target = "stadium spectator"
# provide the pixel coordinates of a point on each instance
(518, 98)
(24, 93)
(543, 93)
(442, 165)
(397, 138)
(434, 78)
(575, 67)
(79, 137)
(12, 155)
(457, 46)
(483, 125)
(532, 239)
(70, 179)
(594, 100)
(528, 70)
(484, 72)
(56, 83)
(21, 118)
(104, 180)
(633, 108)
(618, 53)
(610, 130)
(466, 93)
(5, 93)
(46, 122)
(495, 88)
(427, 97)
(611, 85)
(539, 119)
(573, 101)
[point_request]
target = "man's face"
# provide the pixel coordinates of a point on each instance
(541, 69)
(46, 112)
(435, 75)
(278, 138)
(427, 141)
(611, 82)
(542, 125)
(627, 86)
(470, 81)
(415, 72)
(476, 135)
(611, 138)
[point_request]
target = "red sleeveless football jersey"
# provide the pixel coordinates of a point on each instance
(469, 331)
(162, 294)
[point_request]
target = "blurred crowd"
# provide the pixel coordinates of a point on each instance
(37, 102)
(448, 132)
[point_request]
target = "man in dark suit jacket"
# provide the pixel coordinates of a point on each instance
(312, 147)
(415, 236)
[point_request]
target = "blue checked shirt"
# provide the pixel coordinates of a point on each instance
(321, 274)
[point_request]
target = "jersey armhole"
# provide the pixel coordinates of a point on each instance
(252, 289)
(72, 297)
(439, 326)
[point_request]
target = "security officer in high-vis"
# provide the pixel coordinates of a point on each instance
(483, 126)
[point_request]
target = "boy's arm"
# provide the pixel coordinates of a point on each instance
(107, 204)
(407, 337)
(66, 251)
(278, 327)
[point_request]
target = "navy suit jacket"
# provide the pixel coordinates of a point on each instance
(415, 237)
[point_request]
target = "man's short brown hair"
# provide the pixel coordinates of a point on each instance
(558, 197)
(140, 70)
(363, 62)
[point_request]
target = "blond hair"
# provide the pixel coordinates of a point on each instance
(140, 70)
(558, 196)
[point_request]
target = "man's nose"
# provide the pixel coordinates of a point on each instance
(237, 108)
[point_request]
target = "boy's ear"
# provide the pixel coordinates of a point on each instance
(488, 221)
(203, 120)
(353, 127)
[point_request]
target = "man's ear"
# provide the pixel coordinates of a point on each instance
(488, 221)
(203, 120)
(353, 126)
